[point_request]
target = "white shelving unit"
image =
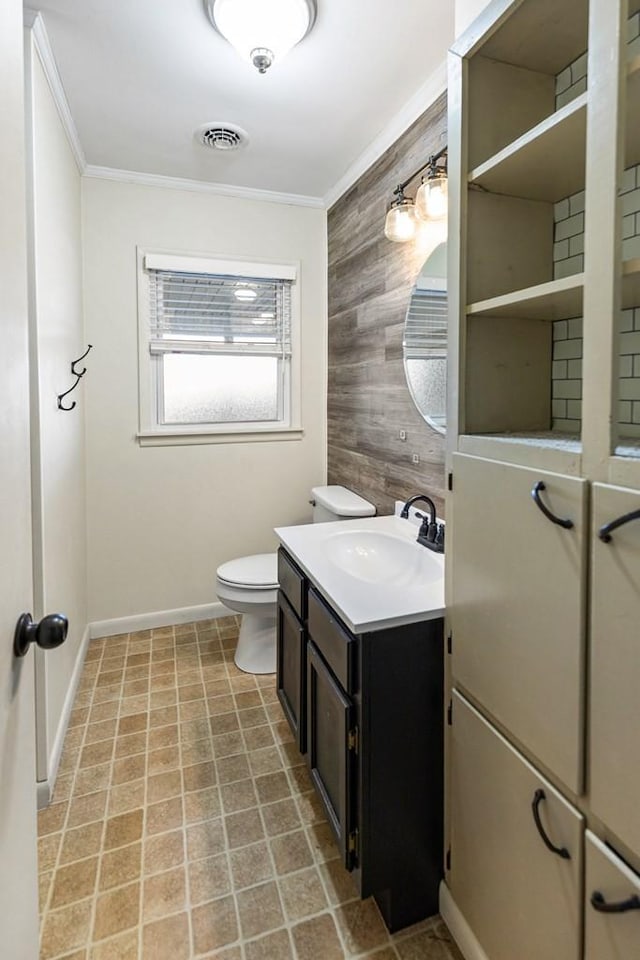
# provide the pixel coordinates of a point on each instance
(545, 163)
(544, 301)
(554, 300)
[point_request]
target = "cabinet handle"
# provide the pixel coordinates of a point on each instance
(535, 493)
(538, 797)
(599, 903)
(605, 532)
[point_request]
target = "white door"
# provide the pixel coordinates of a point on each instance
(612, 905)
(615, 665)
(516, 848)
(18, 863)
(518, 604)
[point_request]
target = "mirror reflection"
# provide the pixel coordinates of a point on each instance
(425, 340)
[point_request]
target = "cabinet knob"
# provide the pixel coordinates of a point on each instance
(49, 633)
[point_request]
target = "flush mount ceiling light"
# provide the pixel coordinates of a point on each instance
(262, 31)
(430, 204)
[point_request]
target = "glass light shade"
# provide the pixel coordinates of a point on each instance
(400, 224)
(272, 25)
(432, 198)
(429, 235)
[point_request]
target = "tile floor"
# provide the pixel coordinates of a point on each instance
(184, 824)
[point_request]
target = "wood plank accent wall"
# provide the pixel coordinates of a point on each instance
(370, 286)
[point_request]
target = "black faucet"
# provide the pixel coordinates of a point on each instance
(431, 533)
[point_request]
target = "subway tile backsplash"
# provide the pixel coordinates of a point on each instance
(572, 81)
(566, 375)
(568, 259)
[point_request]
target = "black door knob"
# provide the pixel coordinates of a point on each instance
(49, 633)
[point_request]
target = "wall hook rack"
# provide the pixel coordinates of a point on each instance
(78, 374)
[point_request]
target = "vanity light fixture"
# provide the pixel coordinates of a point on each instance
(429, 205)
(262, 31)
(400, 224)
(433, 194)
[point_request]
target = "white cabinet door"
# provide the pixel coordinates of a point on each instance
(517, 605)
(610, 934)
(614, 776)
(521, 900)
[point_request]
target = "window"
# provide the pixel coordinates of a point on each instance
(216, 347)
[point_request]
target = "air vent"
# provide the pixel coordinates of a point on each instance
(222, 136)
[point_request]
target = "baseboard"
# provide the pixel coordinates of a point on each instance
(159, 618)
(46, 787)
(458, 926)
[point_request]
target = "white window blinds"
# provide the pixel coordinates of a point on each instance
(210, 313)
(426, 325)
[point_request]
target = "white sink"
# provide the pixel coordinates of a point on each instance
(378, 557)
(370, 570)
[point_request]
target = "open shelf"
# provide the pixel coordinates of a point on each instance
(541, 35)
(545, 163)
(628, 447)
(632, 127)
(631, 283)
(555, 300)
(546, 450)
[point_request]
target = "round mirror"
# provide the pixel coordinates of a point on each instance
(425, 340)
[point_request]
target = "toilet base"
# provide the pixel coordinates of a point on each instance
(256, 649)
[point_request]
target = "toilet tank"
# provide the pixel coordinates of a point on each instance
(337, 503)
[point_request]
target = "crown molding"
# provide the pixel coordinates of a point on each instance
(34, 22)
(201, 186)
(432, 88)
(427, 94)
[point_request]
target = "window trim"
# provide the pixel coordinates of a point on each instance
(150, 431)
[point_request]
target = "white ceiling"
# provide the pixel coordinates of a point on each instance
(141, 76)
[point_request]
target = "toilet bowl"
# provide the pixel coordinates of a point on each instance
(249, 585)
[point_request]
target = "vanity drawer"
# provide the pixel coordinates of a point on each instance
(333, 640)
(292, 583)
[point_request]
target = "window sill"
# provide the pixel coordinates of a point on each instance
(180, 438)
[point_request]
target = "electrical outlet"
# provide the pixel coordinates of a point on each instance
(415, 458)
(403, 434)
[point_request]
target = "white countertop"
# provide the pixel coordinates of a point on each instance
(373, 600)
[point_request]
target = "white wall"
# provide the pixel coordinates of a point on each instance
(466, 11)
(161, 519)
(58, 438)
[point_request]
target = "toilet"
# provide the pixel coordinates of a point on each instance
(249, 585)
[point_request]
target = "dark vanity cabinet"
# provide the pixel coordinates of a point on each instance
(291, 679)
(367, 710)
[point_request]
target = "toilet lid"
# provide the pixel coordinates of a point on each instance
(260, 570)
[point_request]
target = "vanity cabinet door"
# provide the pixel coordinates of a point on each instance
(331, 745)
(615, 666)
(518, 604)
(292, 584)
(612, 918)
(521, 899)
(291, 670)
